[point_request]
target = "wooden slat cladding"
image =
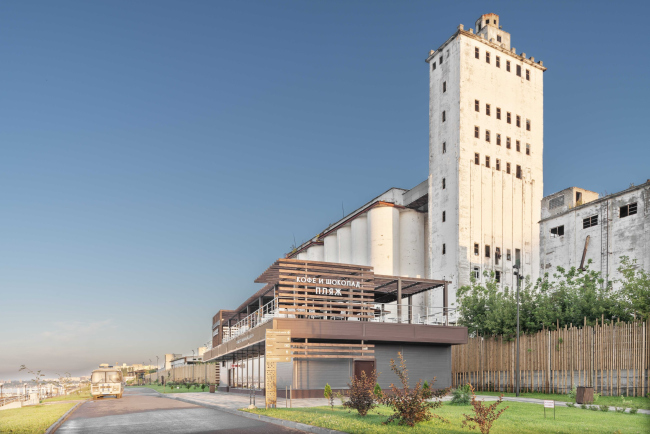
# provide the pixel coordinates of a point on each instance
(308, 289)
(310, 350)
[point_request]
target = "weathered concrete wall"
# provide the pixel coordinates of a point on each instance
(610, 239)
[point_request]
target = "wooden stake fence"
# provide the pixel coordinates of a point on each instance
(612, 358)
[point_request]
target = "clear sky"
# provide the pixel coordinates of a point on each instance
(157, 156)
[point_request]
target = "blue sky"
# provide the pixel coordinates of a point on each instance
(156, 157)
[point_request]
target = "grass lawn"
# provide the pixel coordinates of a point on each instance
(518, 418)
(612, 401)
(81, 396)
(166, 389)
(32, 419)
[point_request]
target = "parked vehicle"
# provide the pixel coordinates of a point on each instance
(106, 382)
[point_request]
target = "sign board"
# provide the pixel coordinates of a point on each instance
(549, 404)
(277, 349)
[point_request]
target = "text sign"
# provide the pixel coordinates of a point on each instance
(275, 351)
(320, 290)
(270, 358)
(549, 404)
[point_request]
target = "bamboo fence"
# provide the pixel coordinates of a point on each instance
(613, 358)
(192, 373)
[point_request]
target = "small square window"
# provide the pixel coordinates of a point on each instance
(487, 135)
(498, 113)
(498, 166)
(508, 118)
(444, 249)
(518, 146)
(590, 221)
(527, 148)
(558, 231)
(433, 66)
(477, 132)
(498, 62)
(507, 167)
(628, 210)
(477, 106)
(498, 38)
(444, 147)
(444, 183)
(519, 121)
(444, 86)
(527, 124)
(476, 52)
(508, 65)
(475, 249)
(499, 139)
(477, 159)
(444, 116)
(487, 251)
(518, 70)
(444, 216)
(508, 143)
(528, 74)
(487, 161)
(518, 171)
(487, 109)
(487, 57)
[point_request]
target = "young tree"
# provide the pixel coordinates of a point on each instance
(327, 393)
(484, 415)
(361, 396)
(37, 377)
(411, 405)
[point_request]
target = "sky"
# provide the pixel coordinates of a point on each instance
(156, 157)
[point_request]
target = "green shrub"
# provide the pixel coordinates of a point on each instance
(571, 404)
(572, 394)
(461, 395)
(584, 406)
(596, 396)
(620, 409)
(604, 407)
(327, 393)
(377, 391)
(593, 408)
(634, 409)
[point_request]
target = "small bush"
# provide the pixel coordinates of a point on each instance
(411, 405)
(593, 408)
(203, 386)
(377, 391)
(362, 398)
(327, 393)
(571, 404)
(461, 395)
(604, 407)
(620, 409)
(484, 415)
(584, 406)
(596, 396)
(572, 394)
(634, 409)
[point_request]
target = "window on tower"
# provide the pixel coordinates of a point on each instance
(476, 132)
(627, 210)
(590, 221)
(527, 148)
(487, 109)
(508, 168)
(518, 70)
(498, 38)
(476, 272)
(508, 142)
(477, 159)
(444, 216)
(487, 135)
(444, 147)
(444, 116)
(508, 118)
(487, 251)
(497, 255)
(498, 113)
(518, 146)
(433, 66)
(477, 106)
(444, 86)
(487, 161)
(519, 121)
(508, 255)
(444, 249)
(518, 171)
(498, 62)
(444, 183)
(498, 139)
(508, 65)
(498, 166)
(476, 53)
(442, 56)
(475, 249)
(528, 74)
(487, 57)
(527, 124)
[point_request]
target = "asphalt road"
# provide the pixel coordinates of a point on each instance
(144, 411)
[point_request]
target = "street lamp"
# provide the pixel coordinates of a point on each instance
(516, 272)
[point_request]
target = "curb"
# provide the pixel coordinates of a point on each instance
(52, 429)
(273, 420)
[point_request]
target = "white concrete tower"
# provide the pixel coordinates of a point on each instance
(485, 157)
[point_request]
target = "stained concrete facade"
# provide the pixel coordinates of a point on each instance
(485, 156)
(617, 225)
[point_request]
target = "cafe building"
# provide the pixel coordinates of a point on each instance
(314, 323)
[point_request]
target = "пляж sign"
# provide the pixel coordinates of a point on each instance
(326, 290)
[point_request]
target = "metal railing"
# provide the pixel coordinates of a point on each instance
(263, 315)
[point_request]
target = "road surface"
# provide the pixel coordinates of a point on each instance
(144, 411)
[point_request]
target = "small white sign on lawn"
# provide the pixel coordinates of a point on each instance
(549, 404)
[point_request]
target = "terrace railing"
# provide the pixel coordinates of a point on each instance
(263, 315)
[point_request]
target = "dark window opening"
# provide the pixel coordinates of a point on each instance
(527, 148)
(498, 60)
(487, 109)
(508, 144)
(558, 231)
(527, 124)
(487, 251)
(507, 167)
(444, 147)
(487, 135)
(444, 183)
(444, 216)
(476, 54)
(497, 276)
(498, 38)
(476, 249)
(476, 272)
(497, 255)
(518, 171)
(444, 86)
(499, 139)
(519, 121)
(518, 146)
(590, 221)
(477, 159)
(528, 74)
(508, 65)
(441, 58)
(476, 132)
(518, 70)
(433, 66)
(508, 118)
(579, 198)
(476, 106)
(517, 258)
(498, 166)
(444, 249)
(487, 161)
(498, 113)
(628, 210)
(487, 57)
(444, 116)
(508, 257)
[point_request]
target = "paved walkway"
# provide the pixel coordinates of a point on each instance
(235, 401)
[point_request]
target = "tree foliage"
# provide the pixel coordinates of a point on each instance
(567, 297)
(411, 405)
(361, 394)
(484, 415)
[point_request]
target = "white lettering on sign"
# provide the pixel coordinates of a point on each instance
(549, 404)
(320, 281)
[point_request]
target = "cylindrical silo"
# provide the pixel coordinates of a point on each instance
(302, 255)
(359, 229)
(411, 243)
(315, 253)
(331, 247)
(383, 240)
(344, 238)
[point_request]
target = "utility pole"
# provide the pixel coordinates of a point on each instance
(517, 275)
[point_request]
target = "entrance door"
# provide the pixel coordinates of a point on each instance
(366, 366)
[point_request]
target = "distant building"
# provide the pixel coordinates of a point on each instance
(577, 226)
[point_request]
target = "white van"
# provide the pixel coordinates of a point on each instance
(106, 382)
